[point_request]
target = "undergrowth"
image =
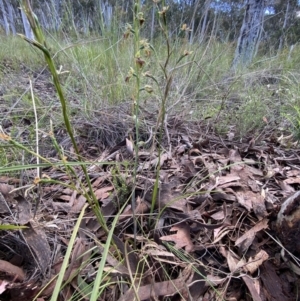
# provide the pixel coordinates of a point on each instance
(166, 78)
(93, 73)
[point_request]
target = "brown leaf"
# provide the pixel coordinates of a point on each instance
(100, 180)
(223, 195)
(253, 185)
(118, 266)
(247, 238)
(37, 241)
(197, 289)
(253, 287)
(11, 272)
(4, 179)
(288, 189)
(218, 215)
(76, 260)
(255, 262)
(65, 197)
(140, 208)
(227, 179)
(67, 191)
(234, 263)
(182, 238)
(195, 217)
(5, 189)
(243, 200)
(78, 204)
(251, 200)
(129, 147)
(102, 193)
(24, 210)
(180, 150)
(168, 197)
(235, 160)
(292, 181)
(157, 289)
(131, 258)
(293, 173)
(4, 208)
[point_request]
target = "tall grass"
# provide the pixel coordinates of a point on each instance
(98, 68)
(94, 70)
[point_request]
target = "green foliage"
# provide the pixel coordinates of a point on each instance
(98, 68)
(14, 54)
(120, 183)
(11, 227)
(95, 73)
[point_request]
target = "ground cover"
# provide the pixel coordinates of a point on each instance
(227, 156)
(212, 234)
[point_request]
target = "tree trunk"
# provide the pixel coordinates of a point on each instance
(193, 30)
(250, 32)
(204, 22)
(284, 25)
(11, 18)
(6, 25)
(28, 31)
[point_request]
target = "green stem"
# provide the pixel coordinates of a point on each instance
(41, 44)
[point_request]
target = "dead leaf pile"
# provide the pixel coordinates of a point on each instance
(211, 235)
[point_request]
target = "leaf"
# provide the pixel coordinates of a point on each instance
(129, 147)
(247, 238)
(157, 289)
(5, 189)
(9, 270)
(102, 193)
(234, 263)
(182, 238)
(78, 204)
(169, 197)
(253, 287)
(255, 262)
(24, 210)
(3, 285)
(292, 181)
(12, 227)
(227, 179)
(265, 120)
(36, 239)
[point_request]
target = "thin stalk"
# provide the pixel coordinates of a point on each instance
(162, 113)
(38, 169)
(138, 70)
(41, 44)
